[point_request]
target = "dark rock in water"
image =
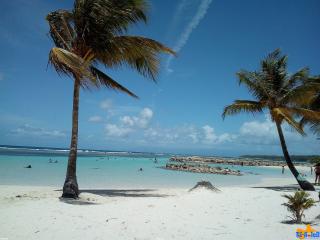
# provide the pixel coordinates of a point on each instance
(201, 168)
(206, 185)
(29, 166)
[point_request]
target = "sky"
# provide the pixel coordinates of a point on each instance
(181, 113)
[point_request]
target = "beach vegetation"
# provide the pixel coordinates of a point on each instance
(92, 36)
(297, 204)
(283, 96)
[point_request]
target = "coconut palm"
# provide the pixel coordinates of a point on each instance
(280, 94)
(298, 203)
(90, 36)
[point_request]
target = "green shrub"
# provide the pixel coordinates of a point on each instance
(298, 203)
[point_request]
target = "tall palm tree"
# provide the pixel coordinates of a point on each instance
(279, 93)
(93, 35)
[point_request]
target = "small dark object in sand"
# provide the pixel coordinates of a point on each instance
(205, 184)
(18, 196)
(29, 166)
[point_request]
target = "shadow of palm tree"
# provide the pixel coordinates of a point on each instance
(124, 192)
(77, 201)
(288, 188)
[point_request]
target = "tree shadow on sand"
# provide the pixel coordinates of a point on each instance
(292, 222)
(125, 192)
(115, 193)
(78, 201)
(287, 188)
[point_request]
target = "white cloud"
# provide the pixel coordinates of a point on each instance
(27, 130)
(130, 124)
(95, 119)
(265, 133)
(106, 104)
(258, 129)
(129, 121)
(195, 21)
(113, 130)
(186, 135)
(209, 135)
(146, 113)
(140, 121)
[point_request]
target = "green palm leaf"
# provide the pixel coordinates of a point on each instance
(243, 106)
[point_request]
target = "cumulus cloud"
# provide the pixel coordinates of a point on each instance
(187, 135)
(95, 119)
(27, 130)
(195, 21)
(113, 130)
(140, 121)
(130, 124)
(209, 135)
(265, 133)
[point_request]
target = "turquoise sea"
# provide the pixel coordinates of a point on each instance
(99, 169)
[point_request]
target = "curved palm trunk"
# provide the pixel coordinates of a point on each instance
(304, 184)
(70, 188)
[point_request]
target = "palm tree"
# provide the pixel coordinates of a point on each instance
(298, 203)
(281, 94)
(92, 35)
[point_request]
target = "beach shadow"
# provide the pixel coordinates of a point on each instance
(292, 222)
(288, 188)
(77, 201)
(124, 192)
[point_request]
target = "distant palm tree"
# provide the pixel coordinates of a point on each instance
(279, 93)
(90, 36)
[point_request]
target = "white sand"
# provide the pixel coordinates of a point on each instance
(234, 213)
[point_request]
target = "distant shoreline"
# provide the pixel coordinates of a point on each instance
(235, 161)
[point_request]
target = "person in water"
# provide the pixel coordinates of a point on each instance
(317, 173)
(282, 169)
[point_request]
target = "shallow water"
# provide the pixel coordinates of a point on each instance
(120, 171)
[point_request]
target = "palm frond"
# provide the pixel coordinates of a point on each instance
(61, 30)
(299, 77)
(139, 53)
(243, 106)
(99, 20)
(299, 96)
(254, 83)
(305, 113)
(101, 79)
(68, 63)
(282, 114)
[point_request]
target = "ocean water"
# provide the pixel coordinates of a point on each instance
(115, 170)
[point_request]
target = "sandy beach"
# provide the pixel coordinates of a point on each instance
(233, 213)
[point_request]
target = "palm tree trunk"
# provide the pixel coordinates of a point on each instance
(304, 184)
(70, 188)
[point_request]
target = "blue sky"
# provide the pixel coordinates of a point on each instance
(182, 112)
